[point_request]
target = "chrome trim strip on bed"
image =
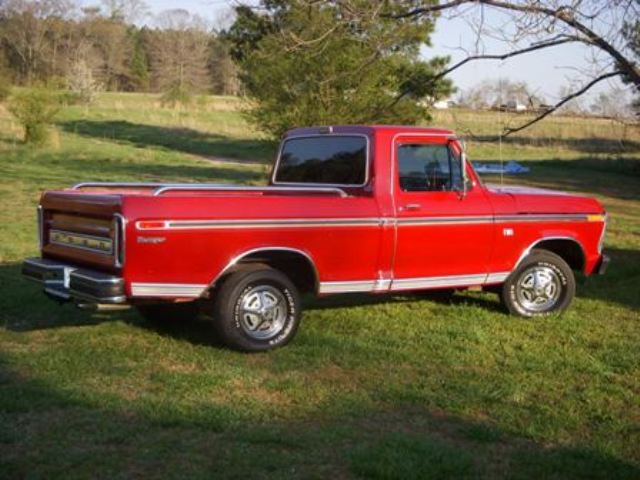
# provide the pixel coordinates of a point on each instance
(160, 188)
(243, 188)
(78, 186)
(167, 289)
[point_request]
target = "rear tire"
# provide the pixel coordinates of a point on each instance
(257, 309)
(541, 285)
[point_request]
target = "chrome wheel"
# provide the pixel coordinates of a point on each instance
(262, 312)
(538, 289)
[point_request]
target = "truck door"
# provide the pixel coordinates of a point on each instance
(444, 238)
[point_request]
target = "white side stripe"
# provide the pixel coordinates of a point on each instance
(355, 222)
(344, 287)
(167, 289)
(194, 290)
(401, 284)
(436, 282)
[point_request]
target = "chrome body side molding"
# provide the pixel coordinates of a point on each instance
(544, 239)
(240, 257)
(170, 290)
(420, 283)
(400, 284)
(347, 286)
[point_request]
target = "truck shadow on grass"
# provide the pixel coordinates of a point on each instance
(180, 139)
(83, 430)
(19, 311)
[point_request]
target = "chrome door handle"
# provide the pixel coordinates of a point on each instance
(412, 207)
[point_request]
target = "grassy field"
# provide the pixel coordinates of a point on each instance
(394, 387)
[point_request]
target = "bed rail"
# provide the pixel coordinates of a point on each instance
(160, 188)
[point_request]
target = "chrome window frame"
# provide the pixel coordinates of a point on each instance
(367, 169)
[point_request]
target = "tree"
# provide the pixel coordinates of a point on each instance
(82, 82)
(631, 33)
(179, 54)
(126, 11)
(596, 24)
(25, 31)
(493, 93)
(139, 62)
(613, 104)
(306, 62)
(112, 48)
(35, 110)
(224, 72)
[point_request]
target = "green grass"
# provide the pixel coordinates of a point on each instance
(372, 387)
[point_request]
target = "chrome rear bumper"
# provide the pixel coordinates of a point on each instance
(68, 283)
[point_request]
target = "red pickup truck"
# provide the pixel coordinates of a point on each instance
(348, 209)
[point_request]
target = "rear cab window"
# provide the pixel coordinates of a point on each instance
(340, 160)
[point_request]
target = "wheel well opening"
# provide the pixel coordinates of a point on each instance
(294, 265)
(569, 250)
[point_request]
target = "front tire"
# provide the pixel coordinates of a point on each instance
(541, 285)
(256, 310)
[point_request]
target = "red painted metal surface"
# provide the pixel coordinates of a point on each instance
(188, 237)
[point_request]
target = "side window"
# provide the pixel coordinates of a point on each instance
(428, 168)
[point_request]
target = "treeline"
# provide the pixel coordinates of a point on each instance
(57, 43)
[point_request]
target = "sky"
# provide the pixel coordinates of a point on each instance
(545, 71)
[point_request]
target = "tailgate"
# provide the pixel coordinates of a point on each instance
(83, 229)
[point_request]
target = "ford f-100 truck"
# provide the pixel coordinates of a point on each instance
(348, 209)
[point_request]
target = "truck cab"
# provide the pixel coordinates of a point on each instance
(375, 209)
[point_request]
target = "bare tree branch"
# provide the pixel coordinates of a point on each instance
(508, 131)
(504, 56)
(565, 14)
